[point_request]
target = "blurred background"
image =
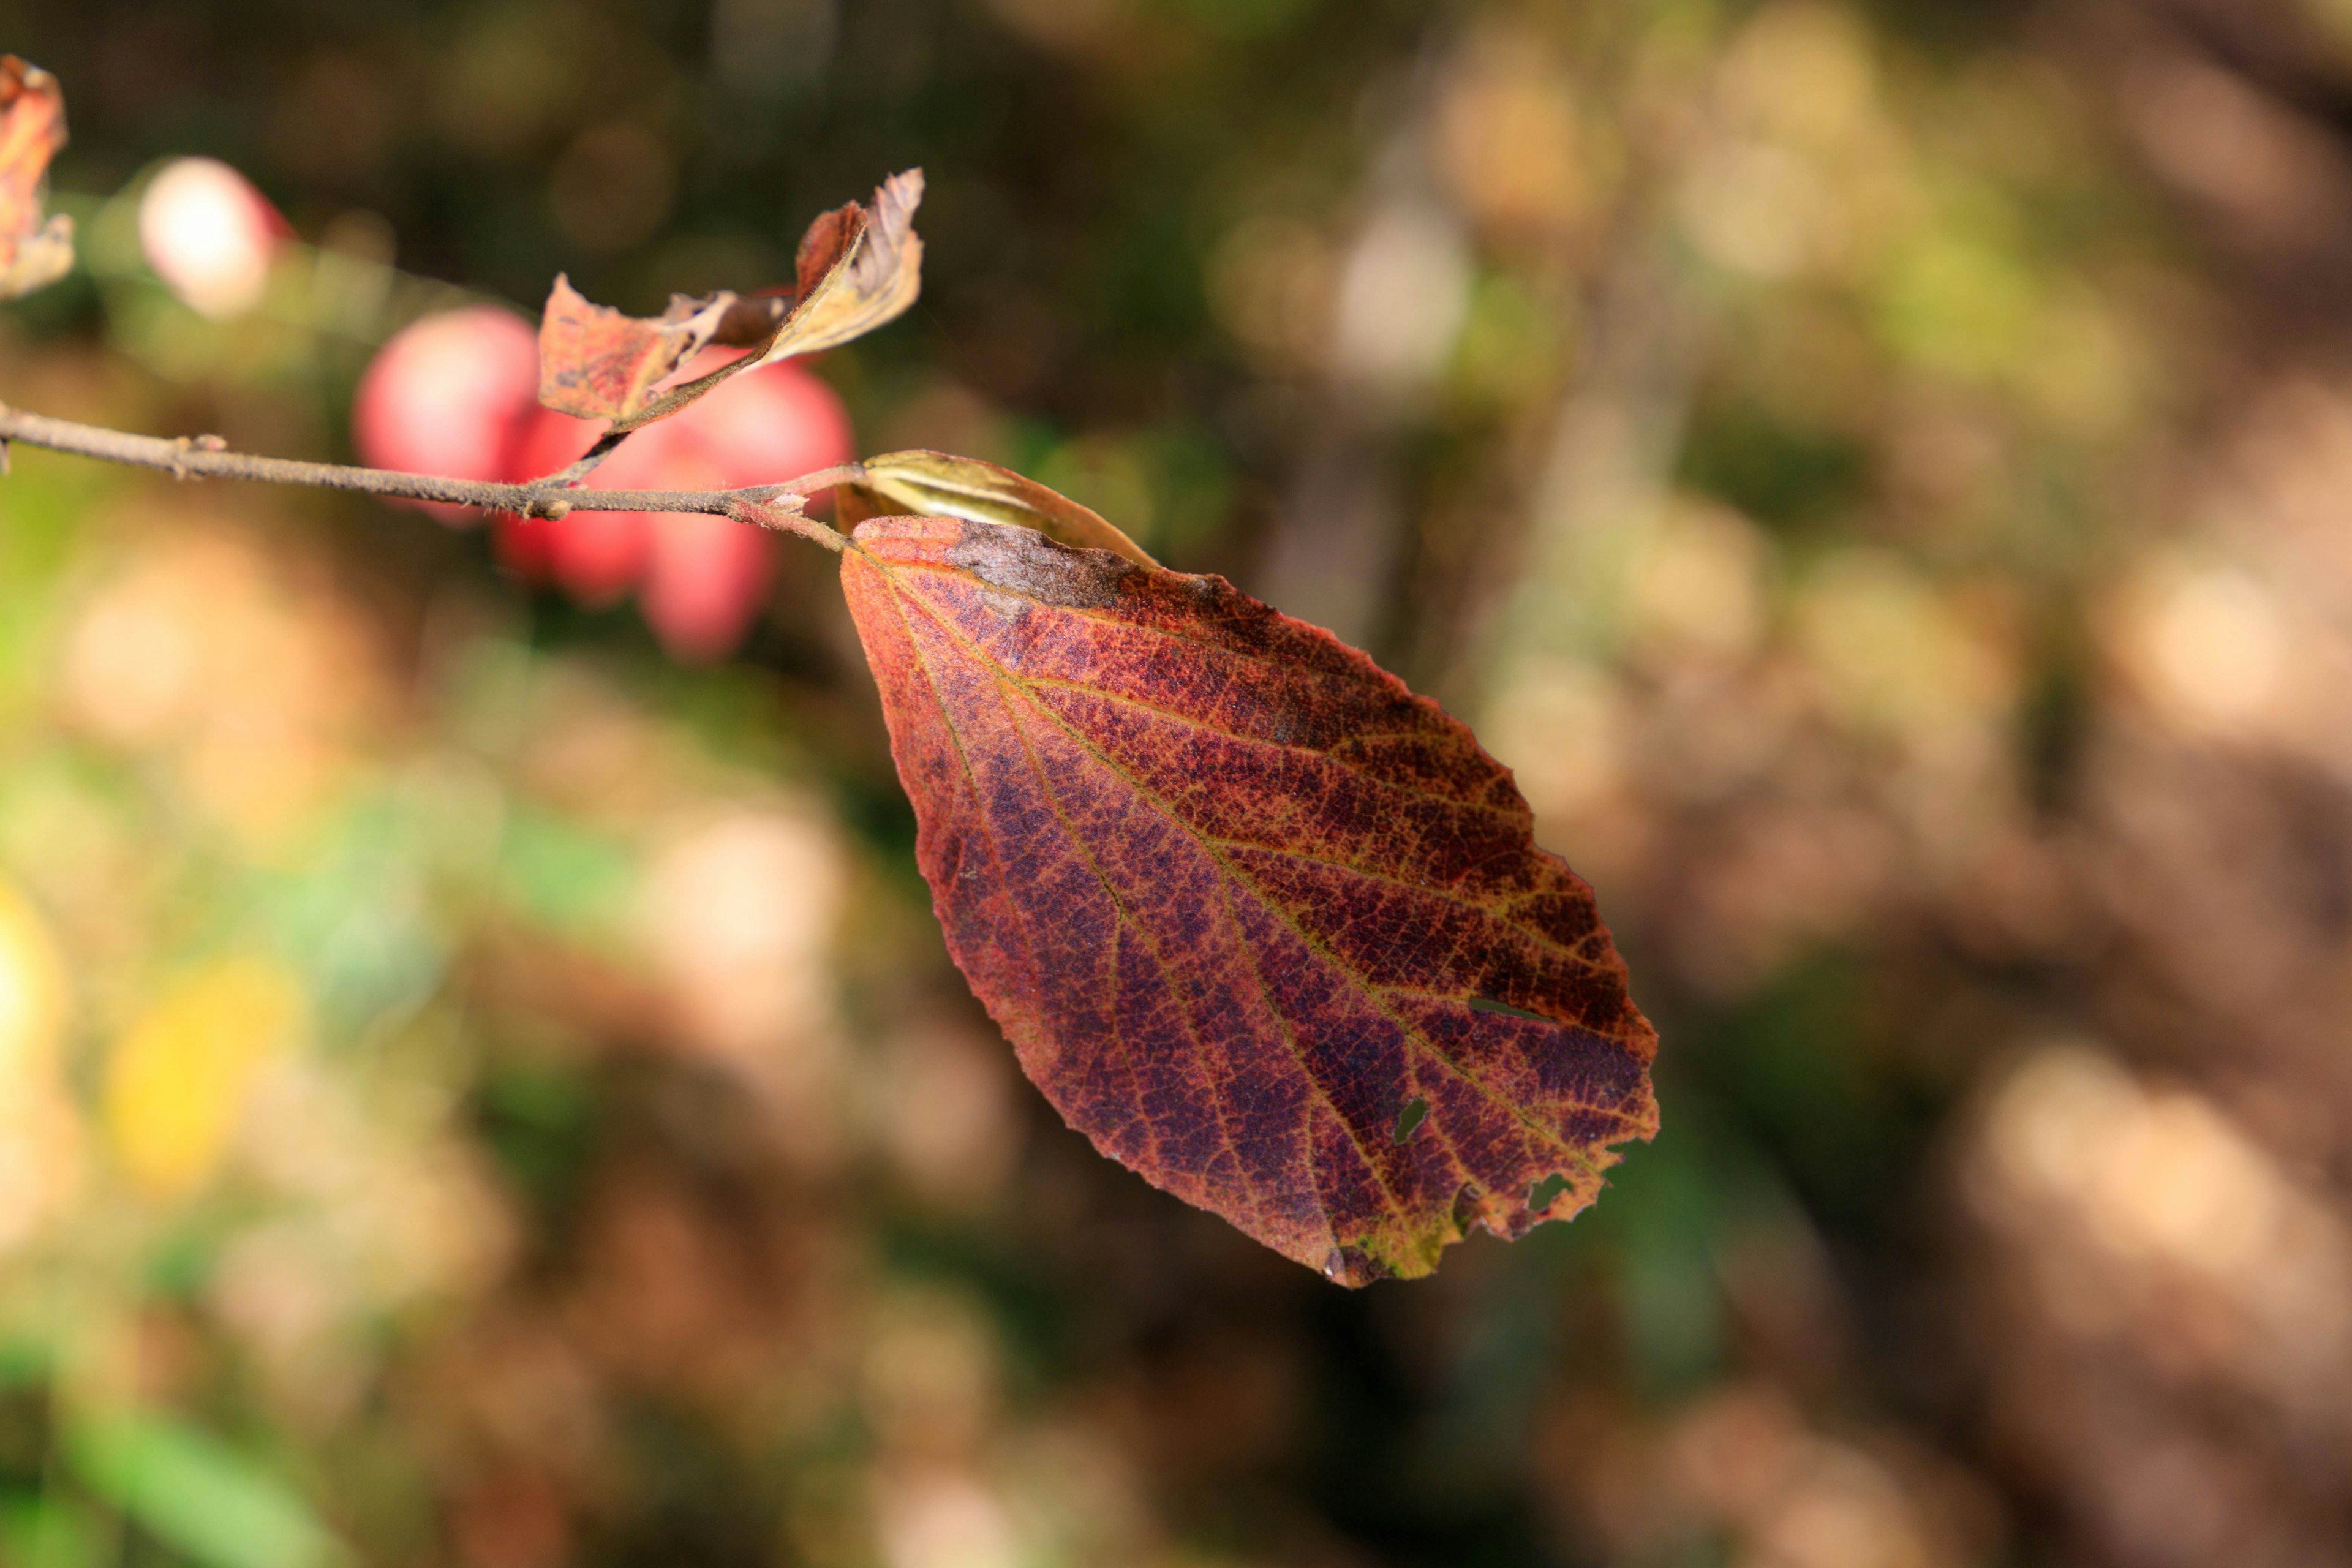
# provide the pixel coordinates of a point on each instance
(480, 1089)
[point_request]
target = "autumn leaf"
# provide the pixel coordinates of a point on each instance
(858, 267)
(934, 484)
(1266, 927)
(596, 363)
(32, 253)
(178, 1081)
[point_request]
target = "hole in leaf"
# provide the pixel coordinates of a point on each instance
(1415, 1111)
(1487, 1004)
(1545, 1193)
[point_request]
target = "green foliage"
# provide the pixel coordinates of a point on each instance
(194, 1493)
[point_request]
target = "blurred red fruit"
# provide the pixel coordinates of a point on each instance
(773, 423)
(457, 394)
(704, 583)
(210, 236)
(703, 577)
(597, 557)
(448, 395)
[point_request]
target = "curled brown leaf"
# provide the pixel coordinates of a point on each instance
(596, 363)
(859, 269)
(34, 252)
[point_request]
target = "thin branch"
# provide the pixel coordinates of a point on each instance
(775, 507)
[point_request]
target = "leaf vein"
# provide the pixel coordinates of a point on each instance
(1003, 682)
(1381, 678)
(1123, 700)
(1119, 1036)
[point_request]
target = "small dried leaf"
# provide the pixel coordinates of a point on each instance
(1241, 902)
(34, 253)
(859, 269)
(934, 484)
(596, 363)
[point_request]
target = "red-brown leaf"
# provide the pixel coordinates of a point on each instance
(1240, 900)
(32, 253)
(596, 363)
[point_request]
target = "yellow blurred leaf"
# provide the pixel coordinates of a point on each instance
(178, 1079)
(32, 995)
(41, 1137)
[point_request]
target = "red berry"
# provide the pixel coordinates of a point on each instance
(703, 577)
(773, 423)
(704, 583)
(447, 395)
